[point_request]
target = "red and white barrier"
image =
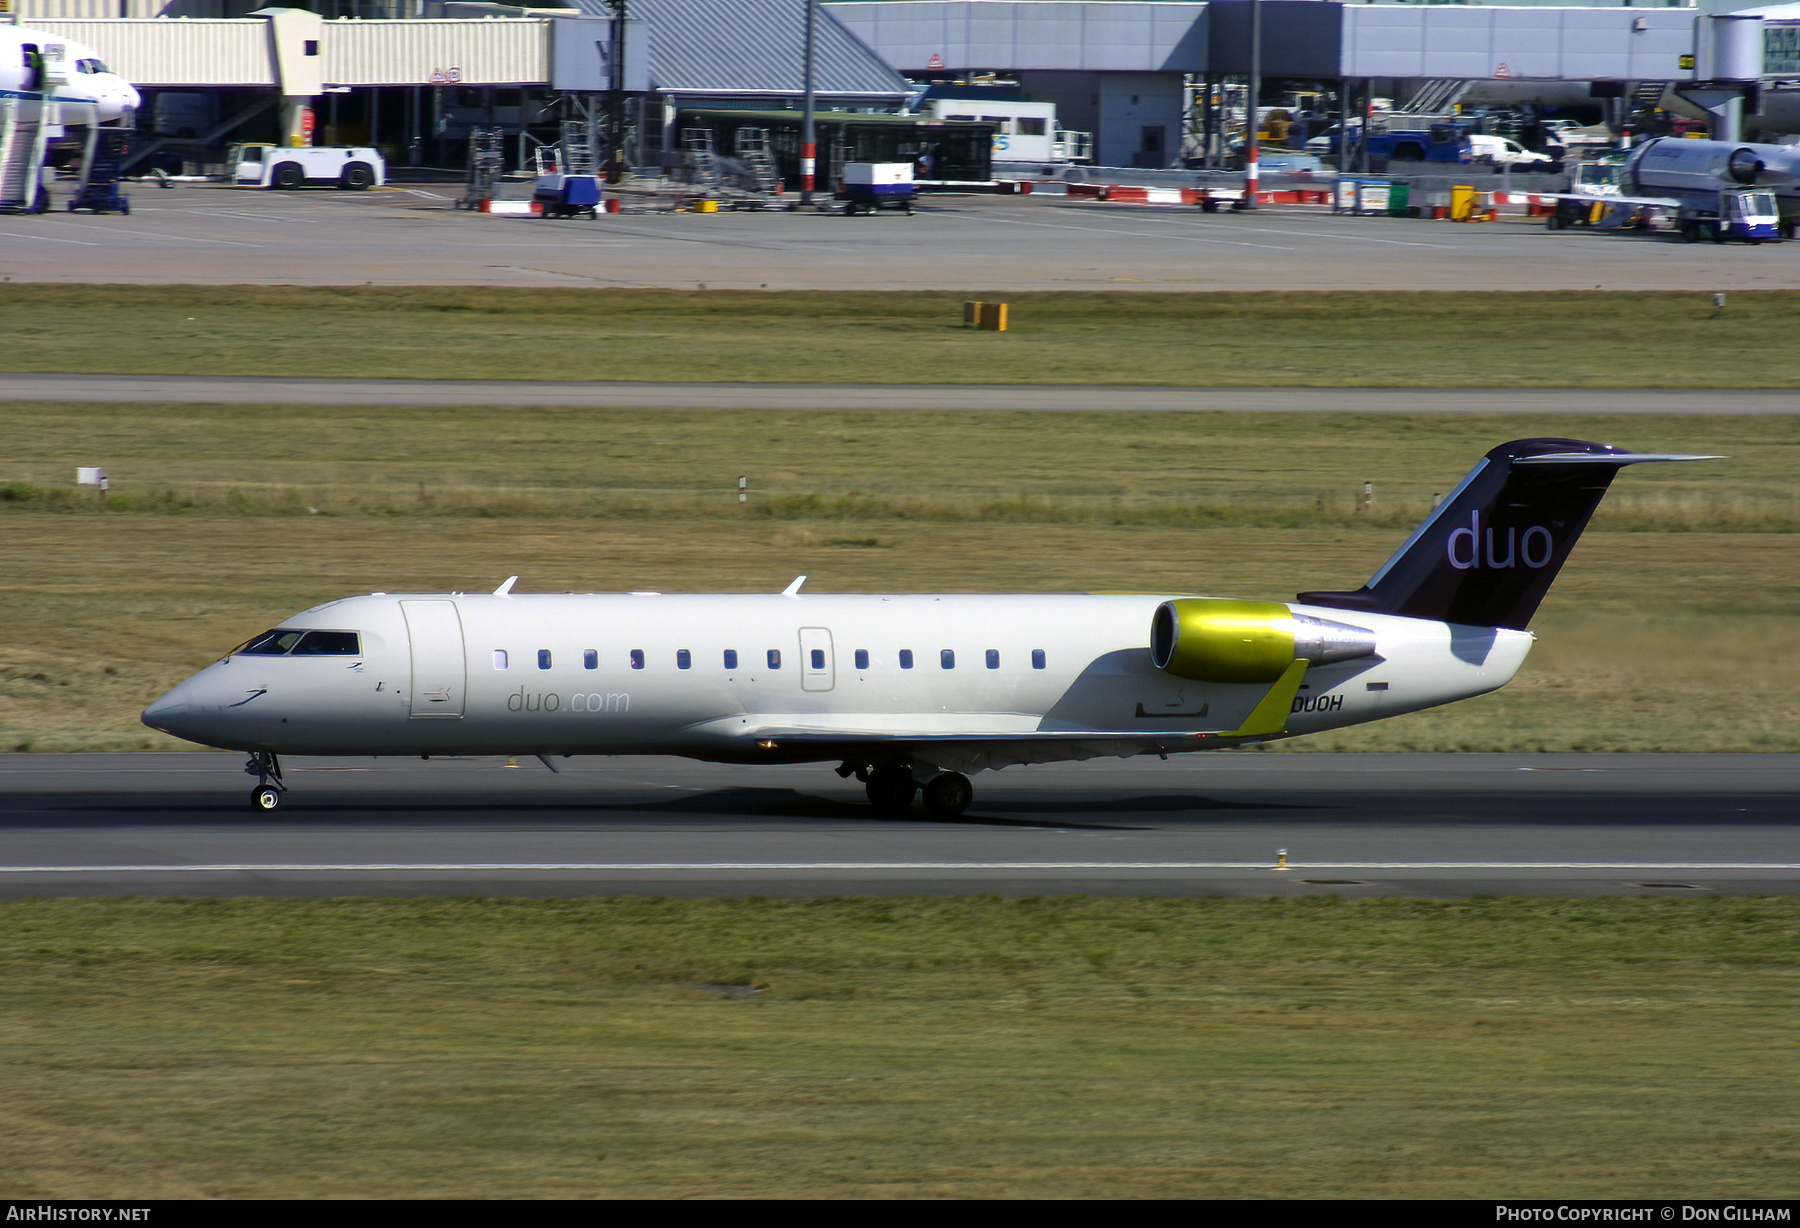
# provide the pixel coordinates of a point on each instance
(528, 208)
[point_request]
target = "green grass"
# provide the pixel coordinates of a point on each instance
(1325, 339)
(1672, 628)
(1064, 1047)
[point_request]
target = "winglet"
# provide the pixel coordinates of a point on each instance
(505, 590)
(1271, 715)
(793, 590)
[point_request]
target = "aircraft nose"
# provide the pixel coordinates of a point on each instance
(169, 708)
(175, 714)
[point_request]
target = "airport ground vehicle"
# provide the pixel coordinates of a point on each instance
(909, 693)
(1719, 190)
(869, 187)
(1743, 215)
(1748, 216)
(568, 195)
(1447, 142)
(351, 167)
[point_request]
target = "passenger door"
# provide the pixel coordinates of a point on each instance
(438, 669)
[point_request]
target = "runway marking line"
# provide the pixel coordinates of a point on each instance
(302, 867)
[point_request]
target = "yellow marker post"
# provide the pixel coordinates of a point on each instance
(992, 317)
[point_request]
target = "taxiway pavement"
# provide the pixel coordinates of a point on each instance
(218, 235)
(1405, 824)
(1086, 398)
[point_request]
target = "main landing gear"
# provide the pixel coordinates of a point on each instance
(891, 787)
(270, 789)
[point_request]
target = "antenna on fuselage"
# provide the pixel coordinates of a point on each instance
(505, 590)
(793, 590)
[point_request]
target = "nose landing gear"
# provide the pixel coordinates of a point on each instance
(270, 789)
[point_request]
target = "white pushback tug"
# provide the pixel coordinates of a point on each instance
(910, 694)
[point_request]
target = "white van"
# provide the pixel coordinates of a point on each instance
(273, 166)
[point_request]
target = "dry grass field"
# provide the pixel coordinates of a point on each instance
(1321, 339)
(1672, 628)
(1044, 1048)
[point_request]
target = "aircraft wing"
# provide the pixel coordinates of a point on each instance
(972, 741)
(1590, 198)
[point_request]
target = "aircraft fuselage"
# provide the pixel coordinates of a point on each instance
(772, 678)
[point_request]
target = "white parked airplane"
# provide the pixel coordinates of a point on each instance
(40, 66)
(909, 693)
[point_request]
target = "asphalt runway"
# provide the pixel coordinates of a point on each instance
(218, 235)
(273, 390)
(1433, 826)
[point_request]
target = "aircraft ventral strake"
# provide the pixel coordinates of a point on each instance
(911, 694)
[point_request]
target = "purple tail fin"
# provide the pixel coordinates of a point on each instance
(1487, 555)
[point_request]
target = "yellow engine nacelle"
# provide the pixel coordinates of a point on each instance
(1215, 639)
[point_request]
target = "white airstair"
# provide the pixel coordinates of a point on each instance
(754, 150)
(22, 140)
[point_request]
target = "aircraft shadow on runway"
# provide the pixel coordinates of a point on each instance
(30, 810)
(1001, 809)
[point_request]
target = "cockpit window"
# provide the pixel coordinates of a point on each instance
(286, 641)
(329, 644)
(271, 644)
(90, 66)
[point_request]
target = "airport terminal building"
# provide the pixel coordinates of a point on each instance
(415, 77)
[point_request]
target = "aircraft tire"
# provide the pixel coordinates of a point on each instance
(891, 790)
(948, 794)
(266, 799)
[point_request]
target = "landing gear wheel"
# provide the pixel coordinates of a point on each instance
(265, 799)
(948, 794)
(891, 790)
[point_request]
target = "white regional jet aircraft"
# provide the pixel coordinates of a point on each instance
(909, 693)
(37, 65)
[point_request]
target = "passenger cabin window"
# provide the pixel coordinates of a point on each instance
(684, 659)
(947, 658)
(637, 658)
(906, 658)
(774, 658)
(499, 658)
(731, 658)
(285, 641)
(993, 658)
(543, 658)
(1037, 658)
(862, 658)
(590, 658)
